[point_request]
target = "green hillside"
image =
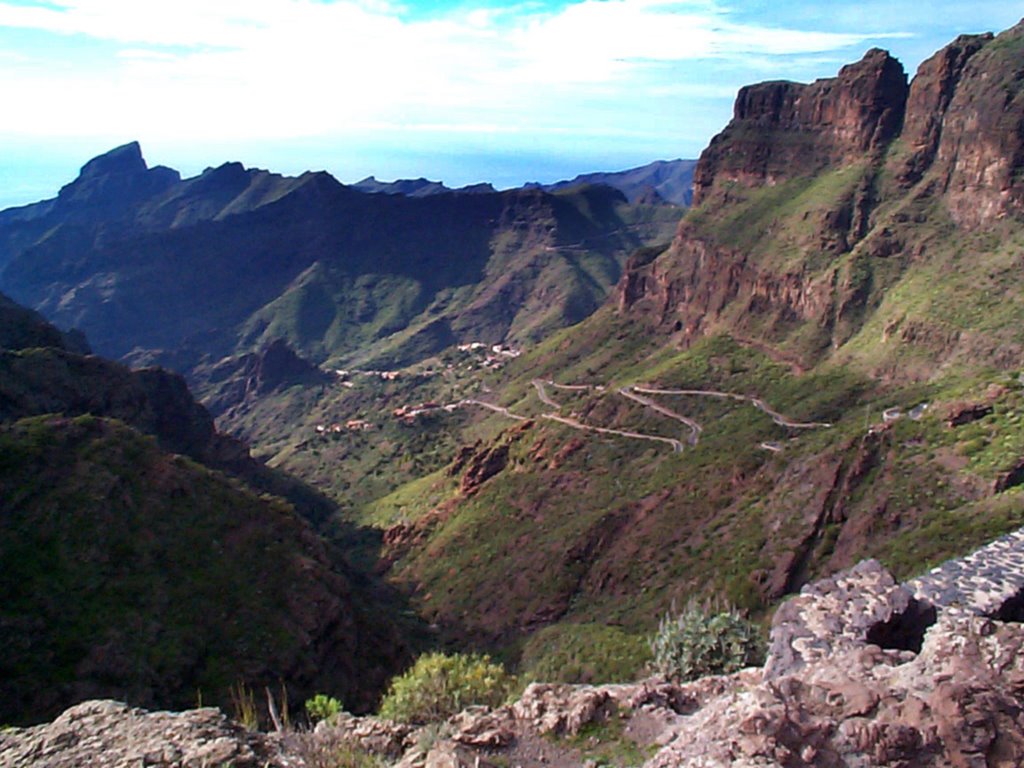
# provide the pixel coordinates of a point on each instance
(140, 563)
(824, 365)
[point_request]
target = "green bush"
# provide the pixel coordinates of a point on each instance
(438, 686)
(705, 640)
(321, 707)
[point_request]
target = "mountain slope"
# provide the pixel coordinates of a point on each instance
(890, 251)
(133, 570)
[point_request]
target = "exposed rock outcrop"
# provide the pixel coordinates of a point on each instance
(931, 91)
(981, 149)
(871, 169)
(234, 381)
(111, 184)
(478, 463)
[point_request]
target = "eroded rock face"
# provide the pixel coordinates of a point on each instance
(783, 129)
(957, 703)
(833, 615)
(982, 145)
(856, 147)
(931, 91)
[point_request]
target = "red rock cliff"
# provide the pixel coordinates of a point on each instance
(931, 92)
(783, 129)
(981, 150)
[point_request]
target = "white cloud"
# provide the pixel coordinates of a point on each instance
(286, 68)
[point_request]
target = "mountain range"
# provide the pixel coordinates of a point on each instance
(545, 417)
(144, 262)
(822, 366)
(667, 180)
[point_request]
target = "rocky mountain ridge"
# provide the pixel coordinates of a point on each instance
(417, 187)
(668, 180)
(840, 190)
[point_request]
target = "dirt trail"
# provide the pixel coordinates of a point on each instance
(695, 428)
(757, 402)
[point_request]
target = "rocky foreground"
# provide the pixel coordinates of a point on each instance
(860, 673)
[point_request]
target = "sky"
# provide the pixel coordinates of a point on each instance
(461, 91)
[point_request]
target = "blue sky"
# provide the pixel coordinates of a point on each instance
(461, 90)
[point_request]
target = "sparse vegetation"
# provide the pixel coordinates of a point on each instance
(329, 750)
(584, 653)
(243, 705)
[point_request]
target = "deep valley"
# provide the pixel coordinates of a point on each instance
(527, 423)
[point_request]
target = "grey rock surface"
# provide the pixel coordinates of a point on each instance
(114, 735)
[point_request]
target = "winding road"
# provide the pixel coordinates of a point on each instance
(636, 394)
(677, 446)
(695, 428)
(490, 406)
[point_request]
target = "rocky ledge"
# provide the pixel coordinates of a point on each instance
(861, 672)
(109, 733)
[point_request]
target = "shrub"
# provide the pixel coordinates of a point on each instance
(321, 707)
(705, 640)
(438, 686)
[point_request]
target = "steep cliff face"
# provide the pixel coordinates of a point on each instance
(981, 150)
(931, 91)
(783, 129)
(109, 181)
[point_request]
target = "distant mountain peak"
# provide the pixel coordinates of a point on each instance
(420, 187)
(124, 159)
(114, 180)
